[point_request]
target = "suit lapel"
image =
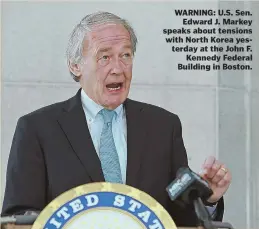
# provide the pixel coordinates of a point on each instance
(136, 140)
(74, 125)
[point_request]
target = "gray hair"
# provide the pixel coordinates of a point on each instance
(74, 51)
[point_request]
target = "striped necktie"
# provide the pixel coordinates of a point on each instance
(108, 153)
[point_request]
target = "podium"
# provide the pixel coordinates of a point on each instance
(11, 226)
(84, 206)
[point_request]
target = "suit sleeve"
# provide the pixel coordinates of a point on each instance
(184, 216)
(26, 174)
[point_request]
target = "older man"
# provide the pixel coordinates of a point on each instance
(100, 134)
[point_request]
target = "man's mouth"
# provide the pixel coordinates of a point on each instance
(114, 86)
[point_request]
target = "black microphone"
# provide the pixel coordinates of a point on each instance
(190, 188)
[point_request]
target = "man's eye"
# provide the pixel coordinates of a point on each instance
(126, 55)
(105, 57)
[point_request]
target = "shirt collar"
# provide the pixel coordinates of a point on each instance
(92, 108)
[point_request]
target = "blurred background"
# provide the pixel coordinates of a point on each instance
(219, 110)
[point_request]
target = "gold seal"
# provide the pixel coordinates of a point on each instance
(104, 187)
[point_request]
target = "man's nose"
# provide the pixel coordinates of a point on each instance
(117, 66)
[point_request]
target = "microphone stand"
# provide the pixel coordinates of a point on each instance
(202, 214)
(204, 217)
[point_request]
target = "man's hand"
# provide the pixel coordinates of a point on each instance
(218, 177)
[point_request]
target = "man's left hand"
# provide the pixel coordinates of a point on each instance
(218, 177)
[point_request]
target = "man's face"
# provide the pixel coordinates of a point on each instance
(106, 70)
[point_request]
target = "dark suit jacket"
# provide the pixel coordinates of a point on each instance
(52, 152)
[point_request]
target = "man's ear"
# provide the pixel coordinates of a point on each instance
(75, 69)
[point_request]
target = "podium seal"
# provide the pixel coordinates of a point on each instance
(104, 206)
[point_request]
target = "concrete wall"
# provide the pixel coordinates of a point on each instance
(219, 110)
(253, 142)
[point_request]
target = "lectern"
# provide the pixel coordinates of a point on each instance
(10, 226)
(100, 205)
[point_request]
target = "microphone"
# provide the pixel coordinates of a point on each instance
(190, 188)
(19, 219)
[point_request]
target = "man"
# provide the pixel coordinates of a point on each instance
(100, 134)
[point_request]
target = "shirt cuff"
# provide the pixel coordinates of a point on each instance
(212, 210)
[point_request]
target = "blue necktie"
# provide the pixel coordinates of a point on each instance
(108, 153)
